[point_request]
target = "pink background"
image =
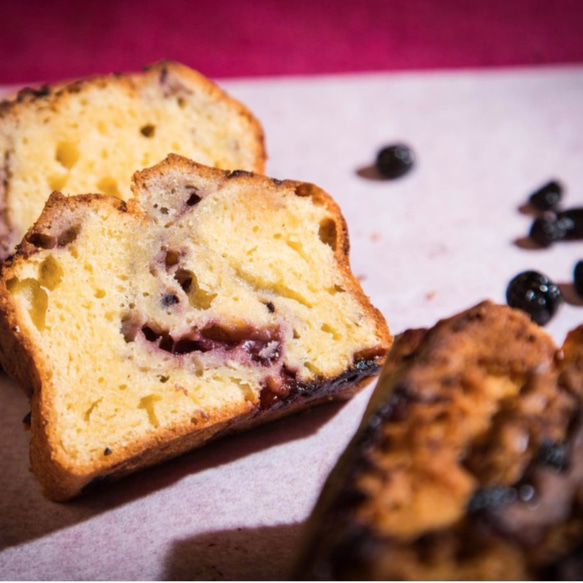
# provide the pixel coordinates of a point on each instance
(44, 40)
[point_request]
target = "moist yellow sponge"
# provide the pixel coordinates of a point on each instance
(210, 302)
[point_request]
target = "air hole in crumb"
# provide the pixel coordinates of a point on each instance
(184, 279)
(327, 233)
(42, 240)
(50, 273)
(35, 298)
(312, 368)
(193, 199)
(68, 236)
(108, 185)
(148, 130)
(172, 258)
(304, 190)
(148, 404)
(58, 181)
(329, 330)
(198, 297)
(67, 154)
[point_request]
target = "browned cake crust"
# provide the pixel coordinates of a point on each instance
(468, 464)
(246, 348)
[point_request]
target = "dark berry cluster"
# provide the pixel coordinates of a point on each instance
(554, 224)
(534, 292)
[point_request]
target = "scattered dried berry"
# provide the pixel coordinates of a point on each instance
(571, 222)
(578, 278)
(547, 230)
(547, 197)
(395, 161)
(535, 294)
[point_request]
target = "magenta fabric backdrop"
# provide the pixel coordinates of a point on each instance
(45, 40)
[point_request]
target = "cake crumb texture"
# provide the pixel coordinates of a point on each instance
(91, 135)
(211, 301)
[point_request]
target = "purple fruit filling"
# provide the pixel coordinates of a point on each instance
(260, 346)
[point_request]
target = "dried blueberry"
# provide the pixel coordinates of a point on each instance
(571, 222)
(547, 197)
(578, 278)
(535, 294)
(547, 230)
(395, 160)
(169, 300)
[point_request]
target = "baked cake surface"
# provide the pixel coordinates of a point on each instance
(468, 464)
(92, 135)
(212, 301)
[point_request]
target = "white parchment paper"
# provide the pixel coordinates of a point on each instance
(426, 246)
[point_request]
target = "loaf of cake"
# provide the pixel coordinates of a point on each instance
(92, 135)
(468, 464)
(209, 302)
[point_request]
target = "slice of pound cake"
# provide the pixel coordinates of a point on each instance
(468, 464)
(212, 301)
(92, 135)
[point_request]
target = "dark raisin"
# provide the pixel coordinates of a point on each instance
(395, 161)
(547, 230)
(270, 307)
(547, 197)
(107, 451)
(491, 498)
(578, 278)
(534, 293)
(554, 454)
(169, 300)
(571, 222)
